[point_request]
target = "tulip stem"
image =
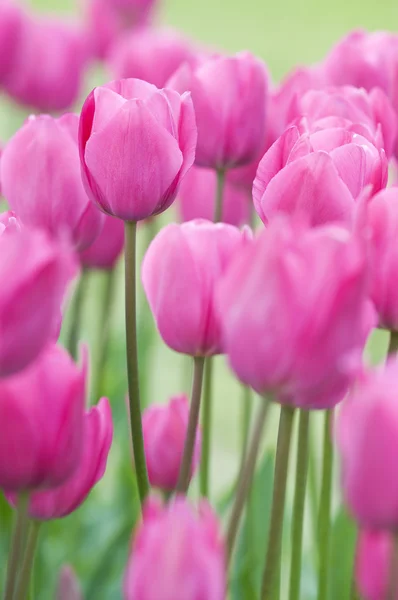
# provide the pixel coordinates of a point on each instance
(26, 569)
(104, 331)
(218, 207)
(206, 428)
(132, 360)
(247, 406)
(186, 463)
(16, 548)
(273, 557)
(245, 479)
(393, 345)
(325, 508)
(299, 503)
(76, 314)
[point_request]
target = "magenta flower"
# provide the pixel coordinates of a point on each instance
(35, 277)
(197, 197)
(367, 433)
(150, 54)
(318, 176)
(373, 563)
(136, 144)
(60, 501)
(12, 21)
(42, 411)
(107, 248)
(47, 80)
(40, 176)
(382, 227)
(165, 429)
(180, 270)
(178, 554)
(230, 98)
(285, 304)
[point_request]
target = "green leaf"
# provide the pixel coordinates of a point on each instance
(342, 551)
(252, 540)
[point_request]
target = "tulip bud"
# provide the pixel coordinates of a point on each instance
(60, 501)
(186, 262)
(136, 144)
(195, 567)
(197, 198)
(317, 176)
(42, 412)
(230, 98)
(35, 276)
(68, 586)
(373, 564)
(367, 433)
(12, 19)
(107, 248)
(165, 430)
(40, 175)
(284, 304)
(150, 54)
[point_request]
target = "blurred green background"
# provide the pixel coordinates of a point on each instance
(95, 539)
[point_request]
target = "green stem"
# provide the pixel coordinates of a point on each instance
(26, 569)
(206, 428)
(218, 207)
(186, 463)
(247, 406)
(104, 332)
(76, 314)
(325, 508)
(245, 479)
(299, 503)
(393, 345)
(272, 562)
(132, 360)
(312, 484)
(16, 548)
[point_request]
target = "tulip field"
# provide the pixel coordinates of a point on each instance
(198, 300)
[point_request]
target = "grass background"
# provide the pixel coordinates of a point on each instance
(284, 34)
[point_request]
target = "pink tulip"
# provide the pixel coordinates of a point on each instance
(367, 433)
(35, 276)
(107, 248)
(41, 416)
(107, 20)
(230, 98)
(60, 501)
(40, 175)
(198, 196)
(48, 65)
(68, 587)
(165, 429)
(12, 20)
(317, 176)
(343, 106)
(285, 304)
(136, 144)
(373, 564)
(150, 54)
(382, 216)
(180, 270)
(178, 554)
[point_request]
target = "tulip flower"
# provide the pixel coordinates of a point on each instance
(35, 277)
(373, 563)
(366, 434)
(284, 304)
(41, 180)
(318, 176)
(107, 248)
(194, 568)
(230, 98)
(12, 21)
(136, 144)
(165, 429)
(41, 409)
